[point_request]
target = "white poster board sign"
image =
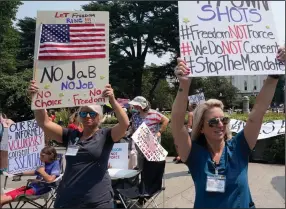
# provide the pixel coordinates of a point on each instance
(25, 142)
(268, 129)
(118, 157)
(224, 38)
(71, 58)
(197, 98)
(148, 144)
(4, 142)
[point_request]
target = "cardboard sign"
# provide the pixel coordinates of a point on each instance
(267, 130)
(119, 156)
(223, 38)
(148, 144)
(197, 98)
(25, 142)
(71, 58)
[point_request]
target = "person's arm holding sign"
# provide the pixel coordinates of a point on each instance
(179, 131)
(118, 131)
(50, 128)
(263, 100)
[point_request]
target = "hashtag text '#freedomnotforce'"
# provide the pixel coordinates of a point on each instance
(201, 64)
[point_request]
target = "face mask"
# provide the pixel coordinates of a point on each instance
(134, 111)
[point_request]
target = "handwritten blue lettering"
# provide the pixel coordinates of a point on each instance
(80, 85)
(232, 14)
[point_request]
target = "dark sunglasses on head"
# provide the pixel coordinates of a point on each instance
(91, 114)
(215, 121)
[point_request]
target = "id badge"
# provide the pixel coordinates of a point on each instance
(72, 150)
(216, 183)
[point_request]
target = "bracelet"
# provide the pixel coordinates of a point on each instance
(274, 76)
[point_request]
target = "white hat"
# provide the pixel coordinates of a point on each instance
(95, 108)
(139, 101)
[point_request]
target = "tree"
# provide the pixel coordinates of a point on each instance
(279, 97)
(219, 88)
(8, 36)
(137, 28)
(25, 55)
(14, 101)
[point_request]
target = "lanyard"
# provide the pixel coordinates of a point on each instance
(76, 140)
(226, 161)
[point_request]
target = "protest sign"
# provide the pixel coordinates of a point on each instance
(224, 38)
(123, 102)
(197, 98)
(71, 58)
(25, 142)
(268, 129)
(148, 144)
(119, 156)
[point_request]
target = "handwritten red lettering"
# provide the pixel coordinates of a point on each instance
(61, 15)
(90, 100)
(49, 103)
(23, 143)
(95, 92)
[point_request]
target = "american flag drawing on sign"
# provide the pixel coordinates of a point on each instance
(72, 41)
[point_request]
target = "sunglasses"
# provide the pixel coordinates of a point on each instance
(91, 114)
(215, 121)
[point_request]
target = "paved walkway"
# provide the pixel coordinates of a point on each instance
(267, 184)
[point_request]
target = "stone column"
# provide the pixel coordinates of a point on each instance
(245, 103)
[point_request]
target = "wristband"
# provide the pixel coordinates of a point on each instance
(274, 76)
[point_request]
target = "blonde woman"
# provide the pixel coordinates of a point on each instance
(217, 161)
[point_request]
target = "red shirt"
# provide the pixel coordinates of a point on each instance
(74, 127)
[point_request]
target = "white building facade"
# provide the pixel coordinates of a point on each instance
(248, 84)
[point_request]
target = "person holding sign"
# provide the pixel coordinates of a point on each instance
(86, 182)
(48, 173)
(217, 161)
(156, 122)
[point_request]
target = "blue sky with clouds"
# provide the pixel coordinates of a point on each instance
(29, 9)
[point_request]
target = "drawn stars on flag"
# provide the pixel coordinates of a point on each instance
(186, 20)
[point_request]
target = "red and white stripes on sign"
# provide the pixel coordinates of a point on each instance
(86, 41)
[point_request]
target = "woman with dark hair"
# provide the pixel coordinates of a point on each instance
(156, 122)
(217, 161)
(86, 182)
(48, 172)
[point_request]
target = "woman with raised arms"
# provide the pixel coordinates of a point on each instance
(217, 161)
(86, 182)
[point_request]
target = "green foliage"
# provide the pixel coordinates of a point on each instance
(25, 56)
(63, 115)
(158, 92)
(14, 101)
(133, 35)
(267, 117)
(275, 153)
(8, 36)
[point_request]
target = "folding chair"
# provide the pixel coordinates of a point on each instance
(147, 191)
(48, 197)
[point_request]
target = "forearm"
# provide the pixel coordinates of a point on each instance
(41, 117)
(263, 100)
(28, 173)
(164, 125)
(180, 106)
(46, 176)
(120, 113)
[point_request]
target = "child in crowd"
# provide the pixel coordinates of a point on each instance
(48, 172)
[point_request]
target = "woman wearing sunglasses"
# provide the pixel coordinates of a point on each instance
(86, 182)
(217, 161)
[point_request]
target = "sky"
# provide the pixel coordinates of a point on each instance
(29, 9)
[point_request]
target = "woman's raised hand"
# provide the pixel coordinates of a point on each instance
(182, 71)
(33, 88)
